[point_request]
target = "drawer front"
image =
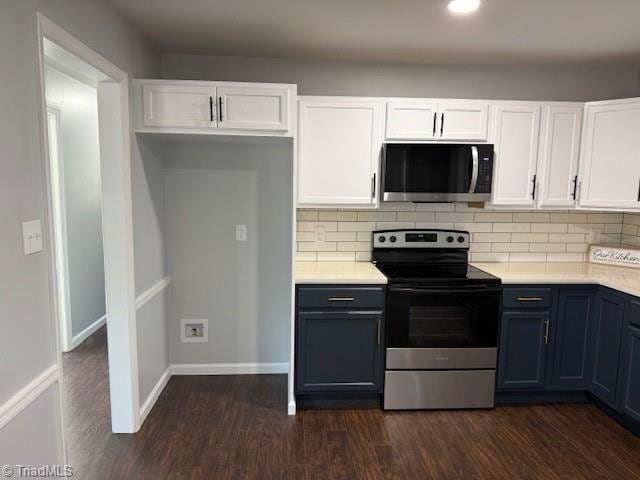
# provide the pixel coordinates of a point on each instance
(526, 298)
(340, 297)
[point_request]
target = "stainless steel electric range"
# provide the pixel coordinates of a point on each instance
(442, 317)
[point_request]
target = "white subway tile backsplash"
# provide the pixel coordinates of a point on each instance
(566, 238)
(527, 257)
(416, 216)
(512, 227)
(345, 236)
(530, 237)
(342, 216)
(549, 227)
(491, 237)
(376, 216)
(510, 247)
(531, 217)
(454, 217)
(336, 256)
(496, 236)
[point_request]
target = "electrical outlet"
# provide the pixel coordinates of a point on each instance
(241, 233)
(194, 330)
(32, 237)
(321, 234)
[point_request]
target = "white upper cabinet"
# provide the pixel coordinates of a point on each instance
(253, 108)
(339, 145)
(182, 106)
(559, 155)
(227, 108)
(463, 120)
(610, 170)
(437, 120)
(516, 153)
(411, 120)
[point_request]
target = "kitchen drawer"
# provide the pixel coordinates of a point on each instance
(340, 297)
(526, 298)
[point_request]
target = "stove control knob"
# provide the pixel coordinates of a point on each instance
(392, 239)
(382, 239)
(450, 239)
(461, 239)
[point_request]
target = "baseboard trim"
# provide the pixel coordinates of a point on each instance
(291, 408)
(228, 368)
(87, 332)
(151, 400)
(155, 289)
(27, 395)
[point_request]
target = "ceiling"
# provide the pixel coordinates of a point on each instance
(414, 31)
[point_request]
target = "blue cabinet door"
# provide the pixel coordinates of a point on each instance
(522, 352)
(569, 339)
(339, 352)
(605, 344)
(631, 374)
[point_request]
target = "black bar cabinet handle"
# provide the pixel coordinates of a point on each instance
(575, 187)
(533, 192)
(211, 109)
(441, 124)
(373, 186)
(435, 120)
(220, 107)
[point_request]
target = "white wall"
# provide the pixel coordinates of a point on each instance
(79, 158)
(243, 288)
(27, 343)
(150, 263)
(318, 77)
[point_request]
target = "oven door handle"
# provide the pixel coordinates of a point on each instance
(444, 290)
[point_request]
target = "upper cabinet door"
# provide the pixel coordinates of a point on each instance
(559, 153)
(463, 120)
(610, 170)
(179, 106)
(516, 154)
(339, 144)
(412, 120)
(253, 108)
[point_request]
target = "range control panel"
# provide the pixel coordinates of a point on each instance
(421, 239)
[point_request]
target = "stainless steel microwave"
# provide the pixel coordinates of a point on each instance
(450, 172)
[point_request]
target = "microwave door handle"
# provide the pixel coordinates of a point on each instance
(474, 171)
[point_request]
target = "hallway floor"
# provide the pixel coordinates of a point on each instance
(233, 427)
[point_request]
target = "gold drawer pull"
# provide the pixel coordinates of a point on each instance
(546, 331)
(529, 299)
(378, 331)
(341, 299)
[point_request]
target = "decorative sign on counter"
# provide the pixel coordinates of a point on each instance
(620, 256)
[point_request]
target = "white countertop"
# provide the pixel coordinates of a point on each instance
(338, 272)
(624, 279)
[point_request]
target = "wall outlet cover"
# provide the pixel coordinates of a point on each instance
(241, 233)
(32, 237)
(194, 330)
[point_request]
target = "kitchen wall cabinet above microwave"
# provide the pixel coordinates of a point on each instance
(228, 108)
(610, 169)
(427, 119)
(537, 147)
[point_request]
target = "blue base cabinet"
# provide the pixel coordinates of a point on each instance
(339, 340)
(523, 350)
(566, 343)
(606, 344)
(630, 378)
(569, 338)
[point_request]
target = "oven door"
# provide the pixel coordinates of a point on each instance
(442, 327)
(437, 172)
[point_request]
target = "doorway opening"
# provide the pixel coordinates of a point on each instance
(86, 151)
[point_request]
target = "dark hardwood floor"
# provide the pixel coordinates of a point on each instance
(236, 427)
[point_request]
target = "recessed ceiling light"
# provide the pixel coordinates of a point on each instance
(463, 6)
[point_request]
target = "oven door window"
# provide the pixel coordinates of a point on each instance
(442, 320)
